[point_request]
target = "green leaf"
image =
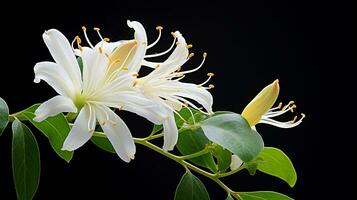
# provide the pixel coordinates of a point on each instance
(103, 143)
(25, 161)
(192, 141)
(80, 63)
(191, 188)
(263, 195)
(233, 132)
(4, 115)
(54, 128)
(277, 164)
(156, 128)
(223, 157)
(229, 197)
(252, 166)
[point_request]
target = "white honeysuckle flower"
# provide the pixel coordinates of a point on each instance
(105, 83)
(163, 84)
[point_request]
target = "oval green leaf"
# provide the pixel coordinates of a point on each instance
(103, 143)
(4, 115)
(191, 188)
(263, 195)
(25, 161)
(277, 164)
(54, 128)
(233, 132)
(192, 141)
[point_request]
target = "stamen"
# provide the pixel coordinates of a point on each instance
(164, 52)
(280, 105)
(98, 31)
(197, 68)
(158, 28)
(86, 36)
(190, 55)
(135, 75)
(294, 120)
(292, 108)
(106, 39)
(177, 43)
(210, 75)
(100, 50)
(173, 34)
(211, 86)
(108, 56)
(189, 46)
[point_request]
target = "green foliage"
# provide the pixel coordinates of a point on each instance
(223, 157)
(103, 143)
(25, 161)
(4, 115)
(54, 128)
(192, 141)
(277, 164)
(229, 197)
(232, 132)
(191, 188)
(263, 195)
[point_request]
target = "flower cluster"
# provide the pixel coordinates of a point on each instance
(110, 78)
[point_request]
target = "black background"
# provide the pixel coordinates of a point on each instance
(248, 44)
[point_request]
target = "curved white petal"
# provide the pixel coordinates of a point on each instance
(55, 76)
(140, 37)
(174, 61)
(95, 64)
(62, 53)
(236, 162)
(81, 131)
(117, 132)
(170, 132)
(53, 107)
(134, 102)
(194, 92)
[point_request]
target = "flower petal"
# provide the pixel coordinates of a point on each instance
(194, 92)
(236, 162)
(53, 107)
(55, 76)
(117, 132)
(266, 98)
(62, 53)
(174, 61)
(82, 129)
(94, 68)
(170, 133)
(140, 37)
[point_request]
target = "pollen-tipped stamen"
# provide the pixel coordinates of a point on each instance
(164, 52)
(158, 28)
(84, 29)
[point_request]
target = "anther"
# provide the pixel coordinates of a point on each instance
(189, 46)
(292, 108)
(157, 66)
(78, 39)
(96, 29)
(159, 28)
(173, 34)
(106, 39)
(135, 82)
(178, 68)
(294, 120)
(108, 56)
(100, 50)
(303, 115)
(190, 55)
(135, 75)
(204, 55)
(210, 74)
(280, 105)
(84, 28)
(210, 86)
(177, 43)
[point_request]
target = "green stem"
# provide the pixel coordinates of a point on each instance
(230, 172)
(197, 154)
(185, 164)
(14, 116)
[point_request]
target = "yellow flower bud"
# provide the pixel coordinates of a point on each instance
(254, 111)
